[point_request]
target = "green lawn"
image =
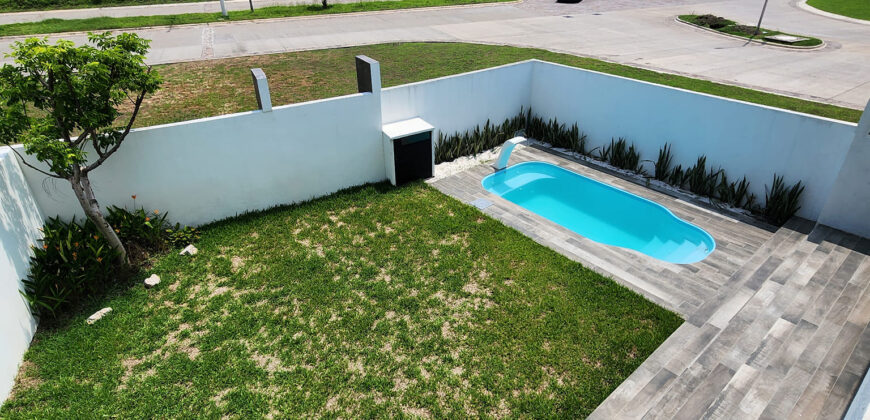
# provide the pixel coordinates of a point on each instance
(748, 31)
(373, 302)
(106, 23)
(207, 88)
(858, 9)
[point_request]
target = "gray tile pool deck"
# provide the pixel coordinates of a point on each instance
(776, 320)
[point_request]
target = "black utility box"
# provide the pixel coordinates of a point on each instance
(408, 150)
(413, 157)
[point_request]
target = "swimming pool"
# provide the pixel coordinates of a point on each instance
(600, 212)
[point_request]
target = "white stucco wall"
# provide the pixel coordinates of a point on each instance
(213, 168)
(20, 220)
(742, 138)
(848, 207)
(460, 102)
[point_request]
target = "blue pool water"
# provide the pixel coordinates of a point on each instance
(600, 212)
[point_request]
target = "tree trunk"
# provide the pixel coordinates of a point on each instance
(85, 195)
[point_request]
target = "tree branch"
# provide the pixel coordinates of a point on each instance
(111, 151)
(21, 158)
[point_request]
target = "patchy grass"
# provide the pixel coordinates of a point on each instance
(373, 302)
(208, 88)
(748, 31)
(858, 9)
(49, 26)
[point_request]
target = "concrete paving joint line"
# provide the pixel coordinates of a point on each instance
(802, 4)
(757, 41)
(278, 19)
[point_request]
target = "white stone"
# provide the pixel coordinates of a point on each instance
(189, 250)
(98, 315)
(152, 281)
(786, 38)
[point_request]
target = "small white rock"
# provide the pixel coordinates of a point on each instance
(152, 281)
(189, 250)
(97, 315)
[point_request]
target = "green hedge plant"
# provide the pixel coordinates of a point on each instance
(781, 201)
(74, 262)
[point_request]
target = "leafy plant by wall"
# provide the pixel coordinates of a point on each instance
(480, 139)
(624, 156)
(74, 262)
(735, 194)
(781, 201)
(701, 181)
(663, 164)
(472, 142)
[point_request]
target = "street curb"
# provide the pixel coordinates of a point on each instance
(802, 4)
(757, 41)
(267, 20)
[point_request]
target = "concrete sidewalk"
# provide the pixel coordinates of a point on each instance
(640, 33)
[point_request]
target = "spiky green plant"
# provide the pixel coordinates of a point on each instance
(781, 201)
(701, 181)
(663, 163)
(735, 194)
(622, 155)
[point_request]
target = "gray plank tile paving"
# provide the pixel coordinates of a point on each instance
(704, 394)
(777, 319)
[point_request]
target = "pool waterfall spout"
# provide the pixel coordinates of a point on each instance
(505, 153)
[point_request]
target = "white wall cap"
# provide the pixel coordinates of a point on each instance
(406, 128)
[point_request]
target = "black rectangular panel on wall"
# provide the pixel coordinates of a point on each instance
(413, 157)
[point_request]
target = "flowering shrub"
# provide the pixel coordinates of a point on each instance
(73, 261)
(147, 230)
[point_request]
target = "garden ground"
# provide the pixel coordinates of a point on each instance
(207, 88)
(371, 302)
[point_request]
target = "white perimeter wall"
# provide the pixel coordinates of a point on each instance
(742, 138)
(848, 206)
(210, 169)
(20, 220)
(460, 102)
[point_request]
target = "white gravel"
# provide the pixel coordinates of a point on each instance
(443, 170)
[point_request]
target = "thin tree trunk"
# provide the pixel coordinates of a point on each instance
(85, 195)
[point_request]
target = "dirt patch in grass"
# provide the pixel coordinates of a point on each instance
(26, 379)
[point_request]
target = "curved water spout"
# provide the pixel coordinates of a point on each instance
(505, 153)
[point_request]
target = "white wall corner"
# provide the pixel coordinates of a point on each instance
(848, 204)
(20, 221)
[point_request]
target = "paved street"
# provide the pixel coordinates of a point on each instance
(636, 32)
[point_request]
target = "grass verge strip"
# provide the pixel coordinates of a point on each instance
(857, 9)
(11, 6)
(731, 27)
(108, 23)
